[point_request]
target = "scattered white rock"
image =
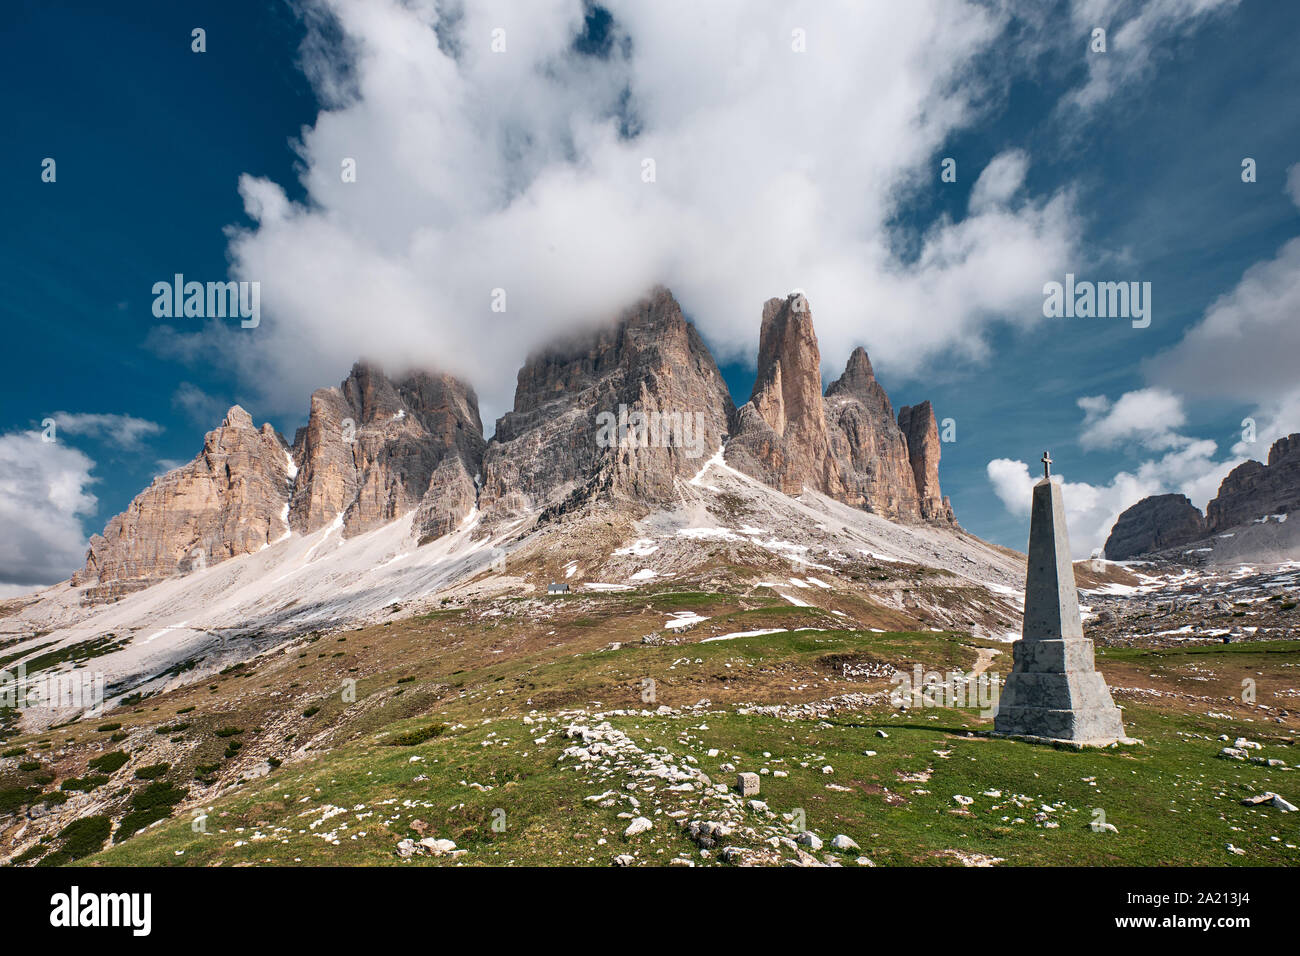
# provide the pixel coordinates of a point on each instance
(809, 839)
(639, 825)
(1269, 797)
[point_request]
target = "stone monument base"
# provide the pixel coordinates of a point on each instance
(1054, 694)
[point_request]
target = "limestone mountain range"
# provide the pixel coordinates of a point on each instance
(377, 448)
(1246, 520)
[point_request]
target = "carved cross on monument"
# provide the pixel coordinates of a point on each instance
(1047, 464)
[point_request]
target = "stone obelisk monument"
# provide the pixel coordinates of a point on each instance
(1054, 692)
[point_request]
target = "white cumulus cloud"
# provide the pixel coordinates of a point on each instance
(124, 431)
(1293, 182)
(1244, 350)
(44, 494)
(1136, 35)
(1148, 417)
(706, 151)
(1000, 180)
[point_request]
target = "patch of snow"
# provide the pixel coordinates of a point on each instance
(684, 619)
(166, 630)
(640, 547)
(881, 557)
(728, 637)
(284, 517)
(708, 534)
(1114, 588)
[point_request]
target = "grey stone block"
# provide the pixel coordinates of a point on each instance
(1054, 656)
(747, 784)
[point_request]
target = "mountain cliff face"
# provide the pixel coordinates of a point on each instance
(846, 444)
(1156, 522)
(368, 454)
(868, 444)
(230, 500)
(918, 424)
(612, 418)
(780, 435)
(621, 412)
(1252, 490)
(371, 447)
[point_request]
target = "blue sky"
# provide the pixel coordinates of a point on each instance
(224, 163)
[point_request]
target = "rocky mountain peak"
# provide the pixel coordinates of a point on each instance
(1253, 490)
(622, 410)
(1251, 495)
(845, 444)
(611, 417)
(918, 424)
(789, 369)
(1154, 523)
(370, 448)
(236, 417)
(859, 378)
(870, 447)
(780, 434)
(1284, 449)
(231, 499)
(367, 455)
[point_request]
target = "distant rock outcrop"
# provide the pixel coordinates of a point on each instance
(620, 412)
(1249, 495)
(230, 500)
(1252, 490)
(1155, 523)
